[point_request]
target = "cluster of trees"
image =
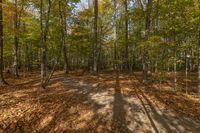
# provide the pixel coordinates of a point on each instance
(147, 35)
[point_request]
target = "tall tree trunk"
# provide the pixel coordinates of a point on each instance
(126, 35)
(2, 81)
(44, 32)
(43, 48)
(175, 70)
(186, 72)
(147, 31)
(199, 65)
(115, 35)
(63, 43)
(15, 47)
(27, 54)
(95, 45)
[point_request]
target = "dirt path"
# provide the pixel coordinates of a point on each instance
(130, 109)
(104, 104)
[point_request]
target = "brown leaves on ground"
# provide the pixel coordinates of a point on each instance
(87, 103)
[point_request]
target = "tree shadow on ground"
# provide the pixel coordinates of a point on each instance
(170, 117)
(119, 113)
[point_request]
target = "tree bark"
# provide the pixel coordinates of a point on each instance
(199, 65)
(115, 35)
(63, 42)
(15, 47)
(147, 31)
(95, 45)
(27, 54)
(126, 35)
(2, 81)
(43, 47)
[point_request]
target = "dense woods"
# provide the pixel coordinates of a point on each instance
(157, 41)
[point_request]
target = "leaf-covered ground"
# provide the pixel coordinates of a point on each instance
(107, 103)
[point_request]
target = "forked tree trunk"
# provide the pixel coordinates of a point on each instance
(2, 81)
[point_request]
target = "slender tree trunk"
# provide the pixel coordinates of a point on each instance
(175, 70)
(199, 65)
(27, 56)
(115, 35)
(95, 45)
(43, 49)
(186, 73)
(126, 35)
(44, 32)
(15, 47)
(2, 81)
(147, 31)
(63, 43)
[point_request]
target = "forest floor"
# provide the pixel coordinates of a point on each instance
(107, 103)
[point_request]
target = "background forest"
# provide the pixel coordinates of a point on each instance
(100, 66)
(158, 36)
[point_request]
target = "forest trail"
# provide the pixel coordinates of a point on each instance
(130, 109)
(89, 104)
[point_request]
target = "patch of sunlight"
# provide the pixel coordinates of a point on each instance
(106, 109)
(36, 84)
(81, 83)
(72, 90)
(95, 85)
(17, 112)
(19, 95)
(45, 121)
(102, 98)
(84, 117)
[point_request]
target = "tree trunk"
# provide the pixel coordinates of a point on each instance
(43, 48)
(199, 65)
(63, 43)
(95, 45)
(2, 81)
(115, 35)
(147, 31)
(126, 35)
(15, 48)
(27, 54)
(186, 73)
(175, 70)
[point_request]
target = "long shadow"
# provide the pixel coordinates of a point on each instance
(119, 124)
(170, 123)
(159, 118)
(148, 115)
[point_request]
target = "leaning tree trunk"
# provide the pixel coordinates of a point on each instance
(2, 81)
(147, 31)
(15, 47)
